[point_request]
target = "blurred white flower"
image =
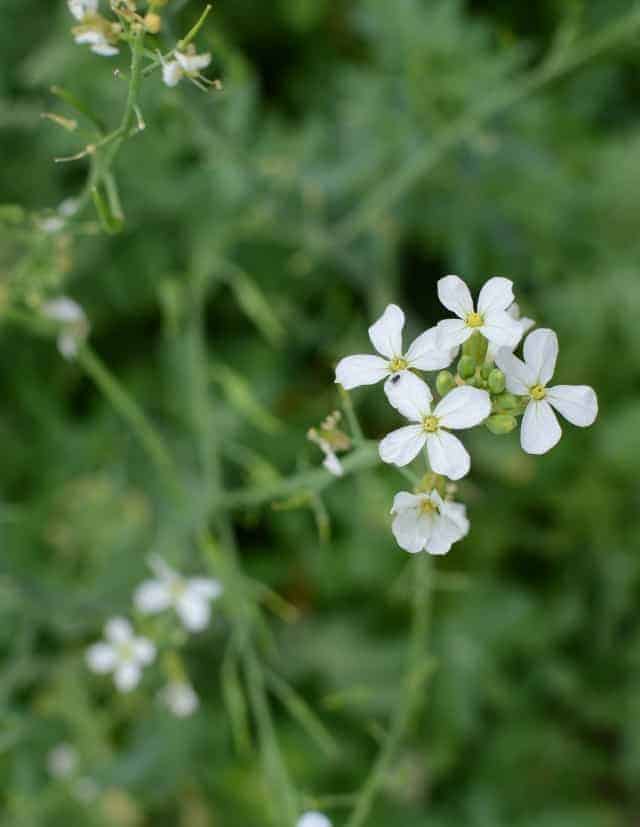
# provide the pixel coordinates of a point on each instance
(426, 522)
(62, 760)
(73, 321)
(491, 319)
(82, 8)
(462, 407)
(122, 653)
(68, 207)
(189, 597)
(313, 819)
(86, 790)
(386, 337)
(540, 429)
(50, 224)
(187, 64)
(181, 698)
(96, 38)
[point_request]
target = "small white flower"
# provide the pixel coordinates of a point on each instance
(189, 597)
(51, 224)
(62, 761)
(426, 522)
(82, 8)
(313, 819)
(68, 207)
(171, 73)
(73, 321)
(181, 698)
(525, 326)
(192, 63)
(386, 337)
(96, 39)
(462, 407)
(491, 319)
(540, 429)
(122, 653)
(331, 461)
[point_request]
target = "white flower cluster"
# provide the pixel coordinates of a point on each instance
(124, 654)
(184, 64)
(493, 387)
(93, 29)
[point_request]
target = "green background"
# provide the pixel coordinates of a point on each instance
(531, 717)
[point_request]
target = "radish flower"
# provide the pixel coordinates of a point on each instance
(426, 522)
(122, 653)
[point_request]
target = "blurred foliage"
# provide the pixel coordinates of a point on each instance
(532, 717)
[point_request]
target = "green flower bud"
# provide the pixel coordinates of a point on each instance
(506, 402)
(476, 347)
(466, 367)
(485, 371)
(501, 424)
(496, 381)
(445, 382)
(474, 382)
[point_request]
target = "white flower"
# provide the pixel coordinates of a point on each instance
(525, 326)
(491, 319)
(51, 224)
(82, 8)
(73, 321)
(426, 522)
(181, 698)
(68, 207)
(62, 761)
(331, 461)
(386, 337)
(540, 429)
(171, 73)
(122, 653)
(190, 597)
(313, 819)
(96, 39)
(462, 407)
(185, 63)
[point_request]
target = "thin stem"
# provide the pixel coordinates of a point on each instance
(417, 673)
(352, 418)
(395, 186)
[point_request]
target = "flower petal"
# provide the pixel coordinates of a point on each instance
(101, 658)
(456, 513)
(412, 529)
(152, 596)
(386, 333)
(409, 395)
(577, 403)
(118, 630)
(353, 371)
(540, 354)
(333, 464)
(193, 610)
(144, 650)
(400, 447)
(463, 407)
(496, 294)
(127, 676)
(404, 500)
(455, 296)
(447, 455)
(442, 537)
(519, 378)
(424, 353)
(540, 429)
(450, 333)
(500, 329)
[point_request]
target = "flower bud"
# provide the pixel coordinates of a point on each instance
(501, 424)
(466, 366)
(476, 347)
(496, 381)
(152, 22)
(445, 382)
(506, 402)
(485, 371)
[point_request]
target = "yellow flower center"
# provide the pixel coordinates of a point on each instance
(474, 320)
(126, 651)
(177, 588)
(398, 363)
(427, 507)
(430, 424)
(538, 392)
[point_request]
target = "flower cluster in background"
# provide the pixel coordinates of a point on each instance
(491, 386)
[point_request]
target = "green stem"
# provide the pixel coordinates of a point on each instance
(417, 673)
(397, 185)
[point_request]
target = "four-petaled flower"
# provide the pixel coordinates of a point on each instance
(123, 653)
(386, 337)
(491, 318)
(426, 522)
(184, 63)
(462, 407)
(313, 819)
(578, 404)
(190, 597)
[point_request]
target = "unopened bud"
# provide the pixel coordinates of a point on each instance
(152, 22)
(476, 347)
(506, 402)
(500, 424)
(496, 381)
(485, 371)
(445, 382)
(466, 367)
